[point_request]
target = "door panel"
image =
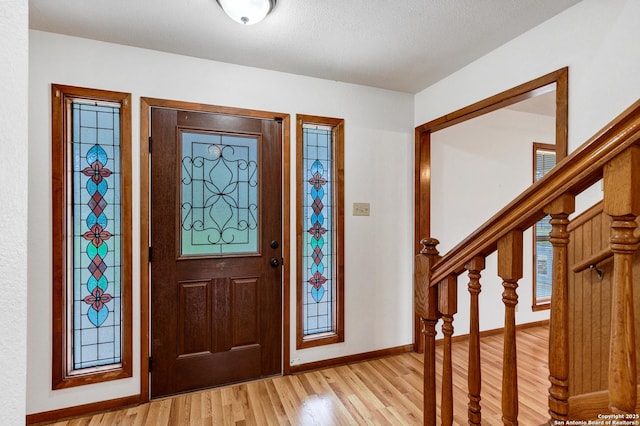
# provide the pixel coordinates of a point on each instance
(194, 310)
(245, 319)
(216, 308)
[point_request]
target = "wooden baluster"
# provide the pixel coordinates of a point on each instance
(559, 209)
(510, 270)
(474, 267)
(429, 384)
(448, 306)
(622, 203)
(426, 307)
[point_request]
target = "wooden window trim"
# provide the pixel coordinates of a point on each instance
(337, 335)
(542, 304)
(62, 377)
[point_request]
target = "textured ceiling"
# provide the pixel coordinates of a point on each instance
(403, 45)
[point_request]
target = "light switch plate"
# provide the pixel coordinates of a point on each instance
(361, 209)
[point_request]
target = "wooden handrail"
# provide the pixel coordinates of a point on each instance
(572, 175)
(593, 260)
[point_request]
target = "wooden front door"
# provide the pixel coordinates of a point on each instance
(216, 228)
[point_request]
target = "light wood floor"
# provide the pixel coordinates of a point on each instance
(382, 391)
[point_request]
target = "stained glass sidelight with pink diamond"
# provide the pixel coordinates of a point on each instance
(318, 276)
(95, 173)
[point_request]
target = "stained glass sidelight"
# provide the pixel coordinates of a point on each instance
(96, 210)
(219, 194)
(317, 245)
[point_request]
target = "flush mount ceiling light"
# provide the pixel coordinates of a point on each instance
(247, 12)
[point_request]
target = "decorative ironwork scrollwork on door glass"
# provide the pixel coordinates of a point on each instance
(219, 194)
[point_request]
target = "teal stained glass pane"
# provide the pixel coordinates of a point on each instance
(95, 177)
(219, 194)
(318, 280)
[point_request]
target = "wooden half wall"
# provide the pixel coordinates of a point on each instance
(590, 303)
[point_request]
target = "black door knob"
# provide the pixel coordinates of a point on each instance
(274, 262)
(274, 244)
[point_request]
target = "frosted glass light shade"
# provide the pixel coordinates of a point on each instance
(247, 12)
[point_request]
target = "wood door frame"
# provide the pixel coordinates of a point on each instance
(422, 158)
(145, 211)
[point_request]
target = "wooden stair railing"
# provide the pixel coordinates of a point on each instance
(612, 154)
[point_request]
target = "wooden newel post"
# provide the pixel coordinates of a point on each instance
(559, 209)
(510, 270)
(426, 308)
(622, 203)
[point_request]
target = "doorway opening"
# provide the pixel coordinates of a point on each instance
(554, 84)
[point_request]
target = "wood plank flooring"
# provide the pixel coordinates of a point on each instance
(386, 391)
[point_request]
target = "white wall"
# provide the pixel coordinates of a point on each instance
(597, 40)
(493, 162)
(14, 68)
(493, 158)
(378, 155)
